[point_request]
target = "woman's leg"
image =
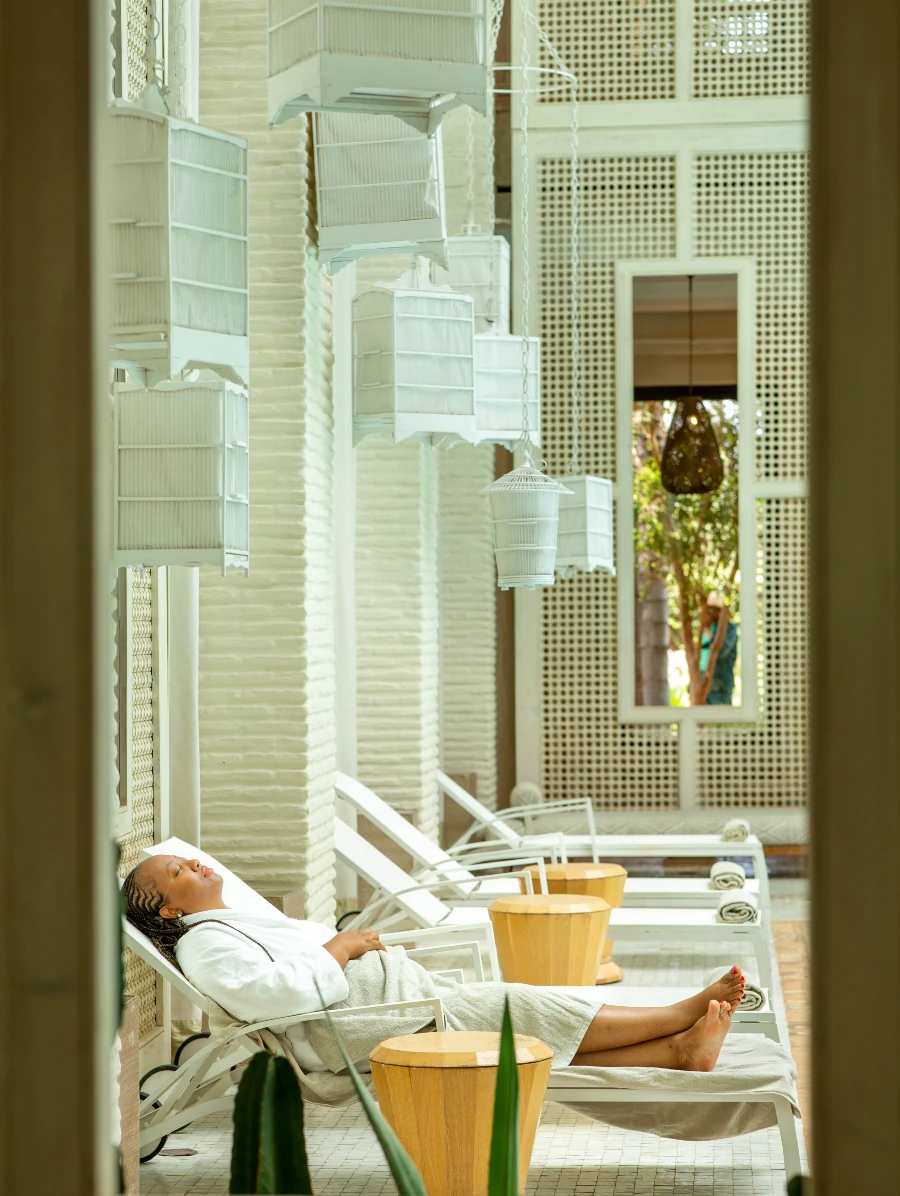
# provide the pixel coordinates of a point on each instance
(622, 1026)
(694, 1049)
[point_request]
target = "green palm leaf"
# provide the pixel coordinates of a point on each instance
(503, 1175)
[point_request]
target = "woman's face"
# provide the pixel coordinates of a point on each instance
(187, 886)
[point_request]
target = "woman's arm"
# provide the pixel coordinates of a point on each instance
(238, 975)
(351, 944)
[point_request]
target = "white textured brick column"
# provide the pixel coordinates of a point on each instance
(266, 641)
(397, 626)
(468, 609)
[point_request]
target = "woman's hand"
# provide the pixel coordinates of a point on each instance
(351, 944)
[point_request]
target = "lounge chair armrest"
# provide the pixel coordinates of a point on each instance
(472, 948)
(283, 1023)
(520, 863)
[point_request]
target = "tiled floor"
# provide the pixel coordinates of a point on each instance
(573, 1156)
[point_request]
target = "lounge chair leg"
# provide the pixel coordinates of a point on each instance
(790, 1143)
(761, 951)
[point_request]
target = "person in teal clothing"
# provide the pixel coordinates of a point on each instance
(722, 688)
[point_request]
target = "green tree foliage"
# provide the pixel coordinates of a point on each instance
(690, 540)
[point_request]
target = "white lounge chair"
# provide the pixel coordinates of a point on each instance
(496, 825)
(175, 1095)
(650, 892)
(398, 897)
(202, 1081)
(434, 864)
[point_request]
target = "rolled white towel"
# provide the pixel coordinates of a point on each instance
(754, 997)
(727, 874)
(736, 830)
(737, 909)
(526, 794)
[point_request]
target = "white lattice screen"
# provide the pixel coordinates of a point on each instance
(755, 205)
(140, 979)
(136, 18)
(751, 48)
(743, 205)
(628, 211)
(619, 49)
(765, 765)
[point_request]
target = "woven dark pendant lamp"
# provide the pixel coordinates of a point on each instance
(691, 461)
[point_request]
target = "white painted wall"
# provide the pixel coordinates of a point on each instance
(267, 726)
(397, 625)
(468, 613)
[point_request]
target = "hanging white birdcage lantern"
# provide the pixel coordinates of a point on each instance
(180, 288)
(413, 362)
(379, 189)
(585, 527)
(586, 510)
(525, 502)
(478, 265)
(182, 474)
(406, 58)
(525, 521)
(498, 389)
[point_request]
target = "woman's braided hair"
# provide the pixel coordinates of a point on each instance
(142, 904)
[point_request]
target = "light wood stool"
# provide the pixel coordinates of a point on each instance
(550, 938)
(596, 880)
(437, 1093)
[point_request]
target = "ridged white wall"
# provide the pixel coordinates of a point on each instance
(266, 641)
(397, 625)
(468, 589)
(468, 582)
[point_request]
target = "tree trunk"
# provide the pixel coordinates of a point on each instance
(652, 639)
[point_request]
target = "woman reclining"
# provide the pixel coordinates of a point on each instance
(260, 966)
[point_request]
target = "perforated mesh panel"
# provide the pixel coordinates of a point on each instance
(628, 207)
(619, 49)
(765, 765)
(751, 48)
(140, 979)
(755, 205)
(136, 16)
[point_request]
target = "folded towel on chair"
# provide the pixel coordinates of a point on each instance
(736, 830)
(754, 997)
(727, 874)
(737, 909)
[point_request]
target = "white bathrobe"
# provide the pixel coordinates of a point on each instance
(235, 970)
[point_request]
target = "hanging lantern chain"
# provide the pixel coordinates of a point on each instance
(525, 439)
(575, 237)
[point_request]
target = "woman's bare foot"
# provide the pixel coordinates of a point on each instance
(730, 988)
(698, 1049)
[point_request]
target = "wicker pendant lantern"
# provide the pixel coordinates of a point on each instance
(525, 502)
(406, 59)
(182, 474)
(180, 289)
(691, 461)
(586, 509)
(413, 362)
(379, 189)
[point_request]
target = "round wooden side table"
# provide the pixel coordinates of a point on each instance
(596, 880)
(550, 938)
(437, 1093)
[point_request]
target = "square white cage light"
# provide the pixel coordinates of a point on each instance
(498, 389)
(405, 58)
(478, 265)
(180, 286)
(182, 474)
(379, 189)
(585, 540)
(413, 362)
